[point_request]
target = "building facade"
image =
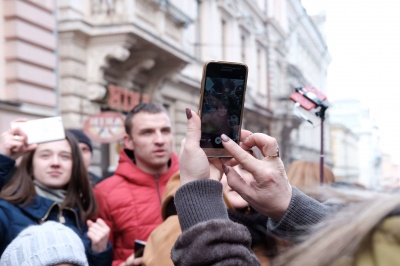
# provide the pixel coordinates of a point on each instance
(28, 60)
(345, 153)
(354, 117)
(98, 56)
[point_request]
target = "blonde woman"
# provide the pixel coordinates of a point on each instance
(306, 174)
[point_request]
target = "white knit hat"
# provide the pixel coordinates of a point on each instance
(47, 244)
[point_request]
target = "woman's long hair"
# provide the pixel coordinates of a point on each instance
(20, 188)
(338, 238)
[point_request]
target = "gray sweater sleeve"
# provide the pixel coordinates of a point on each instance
(303, 212)
(209, 237)
(199, 201)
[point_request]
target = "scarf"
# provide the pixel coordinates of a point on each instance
(56, 194)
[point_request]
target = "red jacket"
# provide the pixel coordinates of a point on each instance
(130, 203)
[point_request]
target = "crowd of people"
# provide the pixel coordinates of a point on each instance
(191, 210)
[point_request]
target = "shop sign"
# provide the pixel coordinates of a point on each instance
(304, 102)
(105, 127)
(319, 94)
(123, 99)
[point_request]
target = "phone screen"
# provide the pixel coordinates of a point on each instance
(42, 130)
(224, 87)
(139, 248)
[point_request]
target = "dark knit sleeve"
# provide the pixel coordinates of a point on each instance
(199, 201)
(303, 212)
(216, 242)
(6, 169)
(209, 237)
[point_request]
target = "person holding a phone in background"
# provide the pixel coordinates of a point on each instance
(357, 228)
(49, 184)
(130, 200)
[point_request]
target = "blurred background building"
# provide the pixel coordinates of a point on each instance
(83, 59)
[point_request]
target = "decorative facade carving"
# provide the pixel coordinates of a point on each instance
(98, 58)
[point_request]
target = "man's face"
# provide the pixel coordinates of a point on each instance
(151, 141)
(86, 154)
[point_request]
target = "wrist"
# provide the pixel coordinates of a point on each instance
(282, 205)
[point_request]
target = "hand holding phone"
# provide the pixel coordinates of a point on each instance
(13, 143)
(221, 105)
(42, 130)
(139, 248)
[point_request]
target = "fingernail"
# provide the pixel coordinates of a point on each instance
(188, 113)
(244, 140)
(224, 137)
(226, 169)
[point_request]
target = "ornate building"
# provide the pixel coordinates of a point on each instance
(113, 53)
(28, 60)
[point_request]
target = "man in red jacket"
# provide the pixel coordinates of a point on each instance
(130, 200)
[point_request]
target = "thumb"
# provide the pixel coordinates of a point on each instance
(89, 223)
(193, 130)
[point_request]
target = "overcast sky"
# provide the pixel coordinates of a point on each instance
(363, 38)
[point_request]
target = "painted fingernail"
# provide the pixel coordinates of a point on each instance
(224, 137)
(226, 169)
(188, 113)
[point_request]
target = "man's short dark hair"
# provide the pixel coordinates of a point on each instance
(152, 108)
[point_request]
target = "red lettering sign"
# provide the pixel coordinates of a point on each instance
(123, 99)
(114, 98)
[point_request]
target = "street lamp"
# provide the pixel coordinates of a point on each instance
(310, 98)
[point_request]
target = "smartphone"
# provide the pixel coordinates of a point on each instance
(42, 130)
(139, 248)
(222, 94)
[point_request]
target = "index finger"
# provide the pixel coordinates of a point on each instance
(239, 154)
(244, 134)
(19, 120)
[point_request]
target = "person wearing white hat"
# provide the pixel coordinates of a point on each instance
(47, 244)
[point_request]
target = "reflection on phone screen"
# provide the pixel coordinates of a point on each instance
(221, 110)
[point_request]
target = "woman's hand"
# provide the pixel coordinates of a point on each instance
(98, 234)
(269, 191)
(13, 143)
